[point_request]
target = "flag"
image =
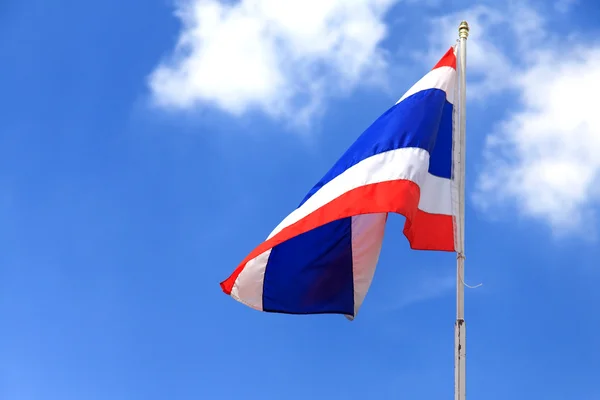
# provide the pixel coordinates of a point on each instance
(321, 258)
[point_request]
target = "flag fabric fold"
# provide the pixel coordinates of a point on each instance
(321, 258)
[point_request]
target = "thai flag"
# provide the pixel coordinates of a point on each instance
(322, 257)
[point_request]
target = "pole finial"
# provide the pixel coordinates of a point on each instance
(463, 30)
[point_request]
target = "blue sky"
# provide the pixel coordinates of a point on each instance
(135, 175)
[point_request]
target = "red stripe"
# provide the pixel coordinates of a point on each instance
(448, 60)
(424, 231)
(430, 231)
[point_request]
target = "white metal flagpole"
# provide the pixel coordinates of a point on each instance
(460, 327)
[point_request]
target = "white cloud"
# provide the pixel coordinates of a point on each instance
(280, 57)
(546, 156)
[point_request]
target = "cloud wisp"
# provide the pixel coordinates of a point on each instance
(544, 157)
(279, 57)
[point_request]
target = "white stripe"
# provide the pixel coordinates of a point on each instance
(436, 195)
(443, 78)
(367, 236)
(248, 287)
(406, 163)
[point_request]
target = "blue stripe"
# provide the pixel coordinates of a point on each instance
(312, 273)
(423, 120)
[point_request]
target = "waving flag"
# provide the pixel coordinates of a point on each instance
(321, 258)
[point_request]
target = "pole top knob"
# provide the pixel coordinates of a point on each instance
(463, 30)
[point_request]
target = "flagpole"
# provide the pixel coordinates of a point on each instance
(460, 327)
